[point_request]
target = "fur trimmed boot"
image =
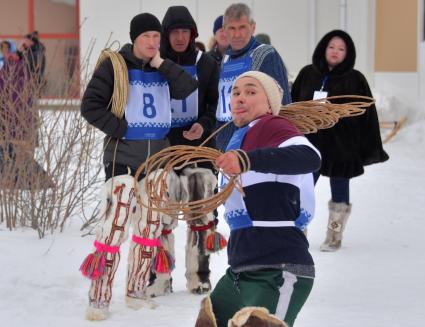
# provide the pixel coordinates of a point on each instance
(97, 314)
(200, 184)
(150, 251)
(118, 204)
(338, 216)
(206, 317)
(162, 283)
(255, 316)
(197, 262)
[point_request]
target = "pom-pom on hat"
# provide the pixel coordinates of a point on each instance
(142, 23)
(272, 88)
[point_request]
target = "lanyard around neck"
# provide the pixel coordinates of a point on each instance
(324, 81)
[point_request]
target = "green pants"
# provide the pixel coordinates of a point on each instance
(281, 292)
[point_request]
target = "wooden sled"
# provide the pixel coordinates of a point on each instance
(393, 126)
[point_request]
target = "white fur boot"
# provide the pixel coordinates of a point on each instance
(161, 283)
(146, 243)
(200, 184)
(197, 263)
(117, 206)
(97, 314)
(161, 286)
(338, 216)
(139, 302)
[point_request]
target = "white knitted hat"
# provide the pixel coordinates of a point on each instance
(272, 88)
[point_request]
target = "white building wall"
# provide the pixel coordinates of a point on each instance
(103, 21)
(421, 56)
(286, 21)
(360, 25)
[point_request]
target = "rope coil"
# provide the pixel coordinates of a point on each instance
(307, 116)
(121, 88)
(177, 157)
(310, 116)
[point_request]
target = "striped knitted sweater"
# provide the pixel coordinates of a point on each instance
(262, 223)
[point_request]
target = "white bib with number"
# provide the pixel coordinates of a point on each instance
(229, 72)
(148, 111)
(185, 112)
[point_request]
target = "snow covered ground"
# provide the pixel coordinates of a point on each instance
(374, 280)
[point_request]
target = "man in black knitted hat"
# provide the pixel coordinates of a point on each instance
(129, 141)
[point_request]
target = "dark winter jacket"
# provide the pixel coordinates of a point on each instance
(96, 110)
(355, 141)
(35, 58)
(265, 59)
(216, 54)
(207, 74)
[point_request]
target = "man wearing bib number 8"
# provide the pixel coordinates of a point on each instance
(244, 54)
(129, 142)
(192, 121)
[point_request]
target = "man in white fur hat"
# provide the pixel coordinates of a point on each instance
(270, 265)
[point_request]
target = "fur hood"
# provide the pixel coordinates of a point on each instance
(319, 55)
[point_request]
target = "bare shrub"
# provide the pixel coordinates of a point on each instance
(49, 156)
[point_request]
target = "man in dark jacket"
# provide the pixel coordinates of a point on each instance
(33, 52)
(130, 140)
(193, 119)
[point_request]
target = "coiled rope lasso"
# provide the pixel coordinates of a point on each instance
(177, 157)
(308, 116)
(311, 116)
(121, 88)
(120, 92)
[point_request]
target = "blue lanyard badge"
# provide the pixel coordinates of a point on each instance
(185, 112)
(324, 81)
(148, 111)
(229, 72)
(317, 95)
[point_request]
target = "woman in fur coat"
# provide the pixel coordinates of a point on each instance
(352, 143)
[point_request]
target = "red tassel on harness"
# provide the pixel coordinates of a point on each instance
(215, 242)
(93, 265)
(163, 262)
